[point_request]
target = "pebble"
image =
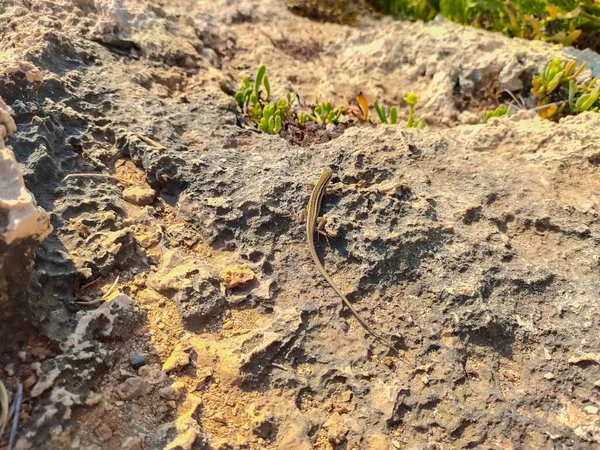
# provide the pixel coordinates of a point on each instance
(172, 392)
(336, 429)
(152, 374)
(139, 195)
(590, 409)
(219, 418)
(137, 361)
(228, 325)
(133, 388)
(178, 360)
(549, 376)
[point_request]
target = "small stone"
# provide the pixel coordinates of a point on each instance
(133, 388)
(219, 418)
(139, 195)
(184, 440)
(172, 392)
(346, 396)
(152, 374)
(93, 399)
(228, 325)
(162, 408)
(147, 240)
(178, 360)
(203, 375)
(370, 235)
(236, 276)
(336, 429)
(549, 376)
(137, 361)
(103, 432)
(22, 355)
(395, 443)
(148, 297)
(590, 409)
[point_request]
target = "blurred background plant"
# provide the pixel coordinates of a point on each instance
(566, 22)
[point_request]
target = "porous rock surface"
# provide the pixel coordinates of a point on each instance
(23, 225)
(473, 247)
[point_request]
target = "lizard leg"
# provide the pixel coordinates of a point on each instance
(321, 222)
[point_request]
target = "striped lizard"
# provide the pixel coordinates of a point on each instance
(314, 206)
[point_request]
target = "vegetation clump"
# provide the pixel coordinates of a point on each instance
(283, 116)
(567, 22)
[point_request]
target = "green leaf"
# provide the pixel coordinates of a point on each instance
(555, 81)
(277, 125)
(380, 112)
(239, 98)
(393, 115)
(259, 78)
(586, 101)
(572, 91)
(267, 87)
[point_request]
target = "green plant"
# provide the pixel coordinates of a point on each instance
(322, 113)
(381, 112)
(412, 99)
(559, 92)
(270, 121)
(567, 22)
(502, 110)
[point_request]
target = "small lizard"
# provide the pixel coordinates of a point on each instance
(314, 206)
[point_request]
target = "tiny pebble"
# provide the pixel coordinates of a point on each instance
(549, 376)
(137, 361)
(228, 325)
(590, 409)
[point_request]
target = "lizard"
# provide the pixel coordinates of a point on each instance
(314, 206)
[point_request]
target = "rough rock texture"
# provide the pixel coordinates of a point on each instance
(23, 225)
(473, 247)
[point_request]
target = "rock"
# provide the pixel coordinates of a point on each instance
(264, 427)
(590, 409)
(183, 441)
(236, 276)
(23, 225)
(133, 388)
(378, 442)
(103, 432)
(147, 240)
(172, 392)
(202, 376)
(137, 361)
(190, 283)
(139, 195)
(45, 382)
(111, 319)
(549, 376)
(148, 297)
(336, 429)
(153, 374)
(178, 360)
